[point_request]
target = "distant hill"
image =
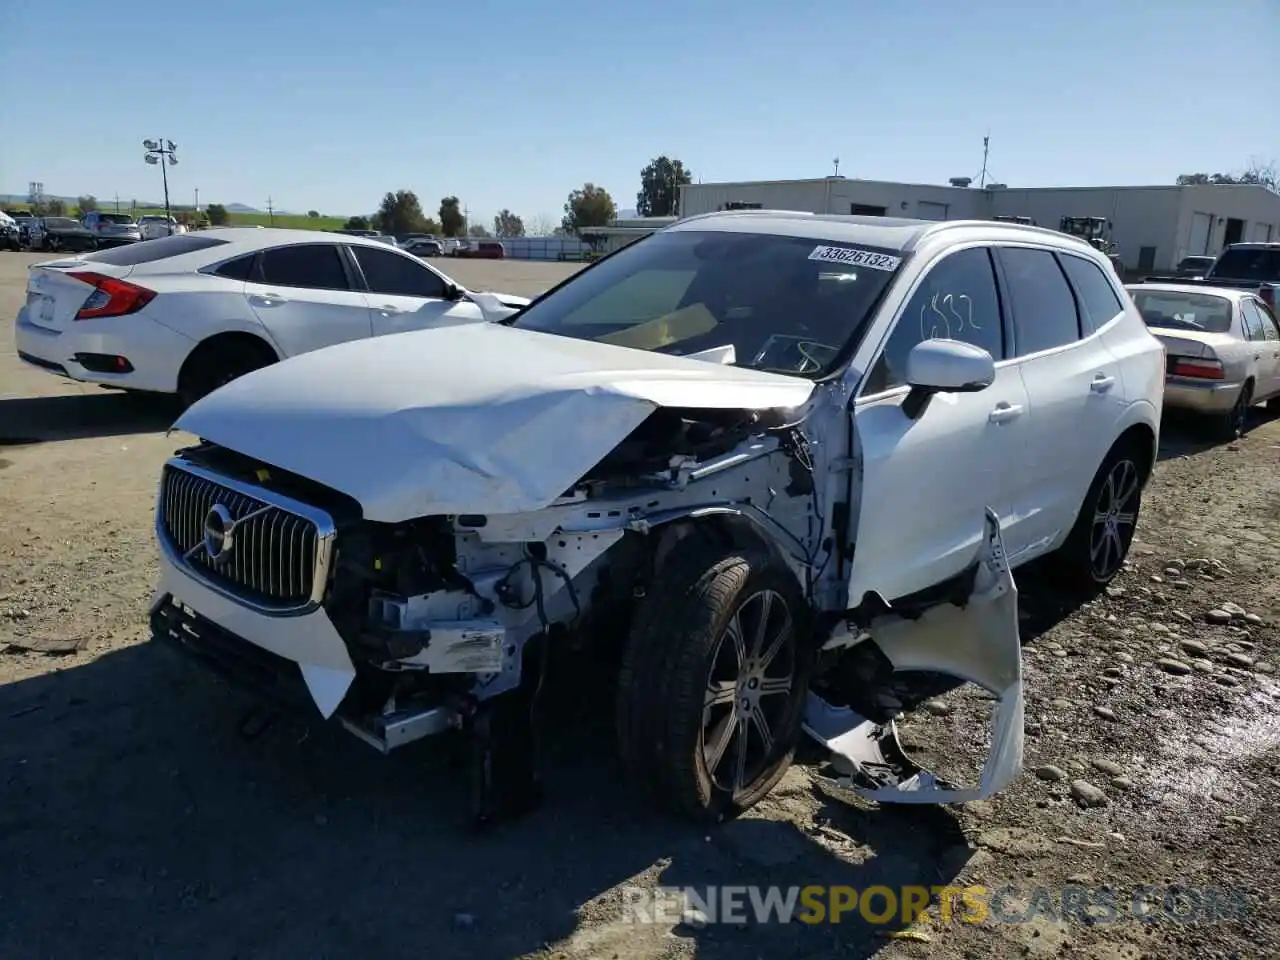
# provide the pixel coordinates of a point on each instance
(242, 208)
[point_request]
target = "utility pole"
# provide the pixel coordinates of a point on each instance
(158, 151)
(117, 203)
(271, 212)
(836, 161)
(466, 221)
(197, 209)
(986, 149)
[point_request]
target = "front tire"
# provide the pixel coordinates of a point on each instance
(1098, 544)
(714, 680)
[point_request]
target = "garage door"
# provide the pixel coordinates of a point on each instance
(1200, 223)
(926, 210)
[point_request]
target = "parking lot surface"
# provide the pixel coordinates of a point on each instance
(146, 810)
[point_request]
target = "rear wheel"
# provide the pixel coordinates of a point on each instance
(714, 680)
(1095, 549)
(1233, 424)
(217, 363)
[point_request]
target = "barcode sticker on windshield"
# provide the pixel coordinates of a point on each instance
(853, 257)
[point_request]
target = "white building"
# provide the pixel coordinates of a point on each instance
(1154, 227)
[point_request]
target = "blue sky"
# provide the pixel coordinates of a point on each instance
(327, 104)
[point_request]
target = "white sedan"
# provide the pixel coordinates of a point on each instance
(188, 313)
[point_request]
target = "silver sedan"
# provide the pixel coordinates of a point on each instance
(1222, 347)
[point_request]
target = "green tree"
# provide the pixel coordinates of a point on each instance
(451, 219)
(217, 214)
(313, 214)
(660, 183)
(1265, 174)
(401, 212)
(477, 230)
(590, 206)
(507, 224)
(87, 204)
(356, 223)
(55, 208)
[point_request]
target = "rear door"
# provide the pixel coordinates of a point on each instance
(1073, 385)
(404, 293)
(305, 296)
(1264, 339)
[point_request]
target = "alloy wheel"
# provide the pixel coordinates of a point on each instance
(749, 690)
(1115, 517)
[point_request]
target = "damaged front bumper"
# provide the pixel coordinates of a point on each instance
(977, 642)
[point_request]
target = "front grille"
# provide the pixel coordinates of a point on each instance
(277, 559)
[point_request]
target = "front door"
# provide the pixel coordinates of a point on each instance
(405, 294)
(303, 295)
(927, 482)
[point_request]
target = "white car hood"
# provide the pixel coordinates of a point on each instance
(474, 418)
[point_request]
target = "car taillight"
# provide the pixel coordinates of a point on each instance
(1268, 295)
(1194, 367)
(111, 297)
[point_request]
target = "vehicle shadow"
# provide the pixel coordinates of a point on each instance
(147, 812)
(80, 416)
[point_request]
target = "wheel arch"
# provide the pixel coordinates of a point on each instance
(229, 339)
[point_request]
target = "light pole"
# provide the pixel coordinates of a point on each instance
(157, 152)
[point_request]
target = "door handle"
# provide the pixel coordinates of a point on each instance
(268, 299)
(1102, 383)
(1004, 412)
(390, 308)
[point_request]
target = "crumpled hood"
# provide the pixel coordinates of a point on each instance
(474, 418)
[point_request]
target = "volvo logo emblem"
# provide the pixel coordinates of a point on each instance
(219, 527)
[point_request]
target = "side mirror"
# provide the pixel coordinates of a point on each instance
(945, 366)
(452, 292)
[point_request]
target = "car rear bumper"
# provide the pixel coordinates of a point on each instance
(1200, 396)
(153, 351)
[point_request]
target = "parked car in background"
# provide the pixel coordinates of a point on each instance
(1196, 266)
(154, 225)
(112, 229)
(188, 313)
(9, 233)
(767, 459)
(23, 218)
(480, 250)
(1253, 266)
(1222, 347)
(423, 248)
(55, 234)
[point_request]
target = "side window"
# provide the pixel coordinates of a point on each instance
(1094, 293)
(956, 300)
(1044, 311)
(1270, 329)
(1252, 321)
(314, 265)
(241, 268)
(397, 276)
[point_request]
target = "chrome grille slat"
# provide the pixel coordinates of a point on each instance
(276, 562)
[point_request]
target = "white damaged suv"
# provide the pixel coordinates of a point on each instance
(771, 458)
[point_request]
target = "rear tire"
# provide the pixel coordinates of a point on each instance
(1233, 424)
(215, 364)
(714, 680)
(1095, 549)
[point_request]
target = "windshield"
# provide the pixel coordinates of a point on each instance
(60, 222)
(785, 304)
(1183, 311)
(1260, 263)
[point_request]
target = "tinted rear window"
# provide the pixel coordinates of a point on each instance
(1174, 310)
(115, 217)
(1259, 264)
(150, 251)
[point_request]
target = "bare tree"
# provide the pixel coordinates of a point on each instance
(540, 226)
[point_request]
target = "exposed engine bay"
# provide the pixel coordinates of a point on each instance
(438, 615)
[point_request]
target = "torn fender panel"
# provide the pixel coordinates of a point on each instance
(309, 640)
(472, 418)
(980, 644)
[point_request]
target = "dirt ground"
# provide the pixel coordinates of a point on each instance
(146, 810)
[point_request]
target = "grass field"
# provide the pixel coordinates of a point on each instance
(293, 221)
